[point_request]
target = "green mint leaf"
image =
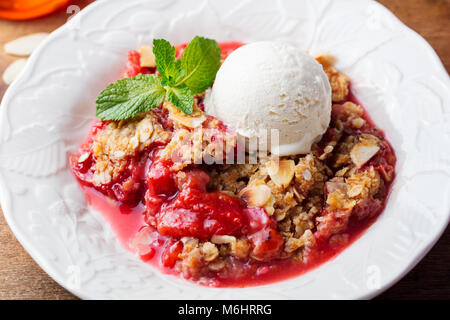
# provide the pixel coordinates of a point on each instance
(165, 58)
(179, 81)
(181, 97)
(169, 69)
(200, 63)
(129, 97)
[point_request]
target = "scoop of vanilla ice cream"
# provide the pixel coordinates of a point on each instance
(271, 85)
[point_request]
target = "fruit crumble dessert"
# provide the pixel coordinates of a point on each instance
(156, 163)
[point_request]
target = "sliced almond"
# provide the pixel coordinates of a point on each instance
(358, 123)
(14, 70)
(269, 206)
(369, 139)
(328, 149)
(363, 152)
(193, 120)
(223, 239)
(332, 186)
(281, 172)
(190, 122)
(189, 243)
(24, 46)
(307, 175)
(83, 157)
(342, 172)
(147, 57)
(355, 190)
(256, 196)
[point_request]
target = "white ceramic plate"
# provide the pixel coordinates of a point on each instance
(47, 112)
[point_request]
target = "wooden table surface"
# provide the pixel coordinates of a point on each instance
(22, 278)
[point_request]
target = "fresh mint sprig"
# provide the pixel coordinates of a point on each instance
(128, 97)
(179, 80)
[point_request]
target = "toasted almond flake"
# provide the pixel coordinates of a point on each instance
(24, 46)
(189, 242)
(147, 57)
(342, 172)
(281, 172)
(14, 70)
(83, 157)
(332, 186)
(307, 175)
(369, 138)
(269, 205)
(280, 215)
(355, 190)
(256, 196)
(323, 156)
(328, 149)
(222, 239)
(361, 153)
(338, 200)
(358, 123)
(193, 120)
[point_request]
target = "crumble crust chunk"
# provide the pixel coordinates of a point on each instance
(338, 81)
(113, 145)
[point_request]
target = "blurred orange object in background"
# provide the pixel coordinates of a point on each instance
(29, 9)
